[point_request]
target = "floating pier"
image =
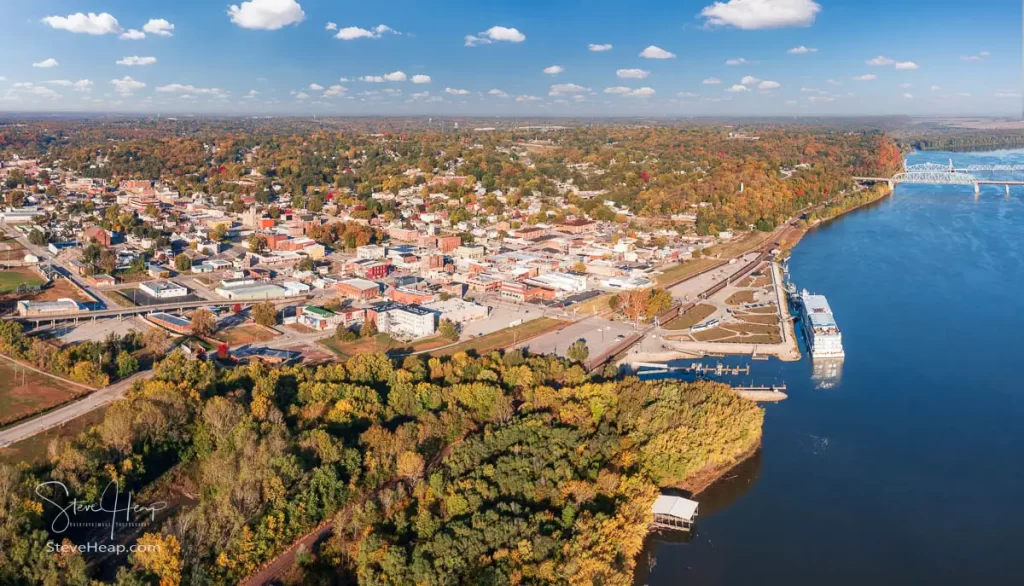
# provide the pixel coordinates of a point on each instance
(697, 368)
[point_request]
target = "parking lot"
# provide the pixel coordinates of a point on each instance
(98, 330)
(689, 290)
(502, 314)
(599, 333)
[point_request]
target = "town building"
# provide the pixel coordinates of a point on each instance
(163, 289)
(358, 289)
(318, 318)
(47, 308)
(405, 321)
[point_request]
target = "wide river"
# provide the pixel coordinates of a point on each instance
(904, 465)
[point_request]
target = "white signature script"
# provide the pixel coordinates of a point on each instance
(63, 519)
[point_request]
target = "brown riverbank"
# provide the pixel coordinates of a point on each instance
(706, 477)
(794, 236)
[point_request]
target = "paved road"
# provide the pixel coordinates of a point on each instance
(57, 417)
(44, 255)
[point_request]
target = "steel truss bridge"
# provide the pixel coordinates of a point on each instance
(937, 174)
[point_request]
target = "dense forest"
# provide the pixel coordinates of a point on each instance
(501, 469)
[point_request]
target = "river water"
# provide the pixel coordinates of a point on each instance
(904, 464)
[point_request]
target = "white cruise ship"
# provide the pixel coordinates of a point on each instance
(823, 336)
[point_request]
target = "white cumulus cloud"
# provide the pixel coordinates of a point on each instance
(801, 50)
(498, 93)
(420, 78)
(567, 89)
(269, 15)
(769, 85)
(525, 98)
(316, 87)
(331, 26)
(749, 80)
(866, 77)
(738, 89)
(712, 81)
(761, 14)
(91, 24)
(159, 27)
(132, 35)
(456, 91)
(908, 96)
(632, 73)
(599, 48)
(739, 61)
(135, 61)
(554, 70)
(395, 76)
(495, 34)
(335, 91)
(177, 88)
(46, 63)
(350, 33)
(907, 65)
(880, 61)
(654, 52)
(126, 86)
(643, 92)
(686, 95)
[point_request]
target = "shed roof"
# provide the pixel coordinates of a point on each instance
(675, 506)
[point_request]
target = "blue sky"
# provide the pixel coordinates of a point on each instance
(788, 57)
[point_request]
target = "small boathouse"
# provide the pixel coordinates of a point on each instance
(674, 513)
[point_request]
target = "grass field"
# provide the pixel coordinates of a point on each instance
(9, 280)
(740, 297)
(33, 451)
(378, 343)
(504, 338)
(681, 271)
(760, 319)
(245, 334)
(691, 317)
(24, 393)
(119, 298)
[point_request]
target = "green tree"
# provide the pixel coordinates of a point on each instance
(264, 313)
(448, 329)
(38, 237)
(182, 263)
(368, 329)
(578, 351)
(127, 364)
(257, 243)
(614, 302)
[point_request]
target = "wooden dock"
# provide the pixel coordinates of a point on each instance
(696, 368)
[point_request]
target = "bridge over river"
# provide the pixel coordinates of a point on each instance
(936, 174)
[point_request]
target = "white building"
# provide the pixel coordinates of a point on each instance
(163, 289)
(561, 282)
(628, 283)
(252, 292)
(406, 321)
(458, 310)
(370, 252)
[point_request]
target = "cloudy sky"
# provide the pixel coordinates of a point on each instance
(522, 57)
